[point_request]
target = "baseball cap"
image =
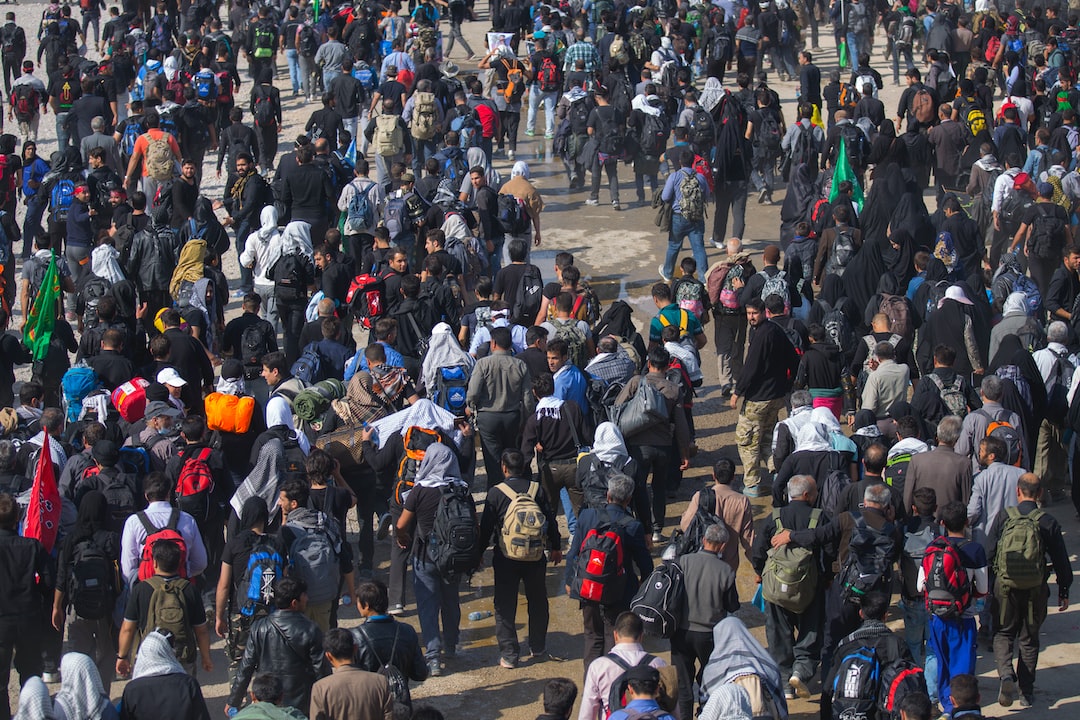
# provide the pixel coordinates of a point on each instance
(1045, 189)
(955, 292)
(159, 408)
(106, 452)
(169, 376)
(232, 368)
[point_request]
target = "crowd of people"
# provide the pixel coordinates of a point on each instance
(168, 466)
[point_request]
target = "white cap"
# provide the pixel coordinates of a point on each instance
(955, 292)
(169, 376)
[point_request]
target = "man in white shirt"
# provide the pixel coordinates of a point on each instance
(158, 514)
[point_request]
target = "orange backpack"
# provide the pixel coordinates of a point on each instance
(417, 441)
(229, 413)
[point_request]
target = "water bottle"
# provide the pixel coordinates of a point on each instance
(479, 615)
(346, 599)
(233, 711)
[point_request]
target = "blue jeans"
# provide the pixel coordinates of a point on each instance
(535, 98)
(293, 58)
(568, 509)
(247, 279)
(435, 598)
(681, 228)
(915, 620)
(909, 62)
(953, 642)
(328, 77)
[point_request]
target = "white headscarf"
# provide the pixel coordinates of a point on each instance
(438, 468)
(34, 701)
(1015, 304)
(823, 416)
(231, 386)
(520, 169)
(550, 406)
(297, 238)
(104, 263)
(711, 94)
(82, 695)
(644, 104)
(155, 658)
(812, 437)
(609, 446)
(422, 413)
(268, 223)
(727, 702)
(278, 412)
(444, 351)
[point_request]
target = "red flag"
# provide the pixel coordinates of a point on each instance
(43, 515)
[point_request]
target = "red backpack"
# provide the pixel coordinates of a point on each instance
(195, 484)
(155, 535)
(599, 575)
(225, 87)
(702, 166)
(948, 585)
(367, 298)
(489, 120)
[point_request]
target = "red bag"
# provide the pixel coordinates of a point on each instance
(129, 399)
(153, 535)
(948, 584)
(366, 298)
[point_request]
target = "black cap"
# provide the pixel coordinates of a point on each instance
(232, 368)
(106, 452)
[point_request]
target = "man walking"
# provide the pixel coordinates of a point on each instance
(496, 395)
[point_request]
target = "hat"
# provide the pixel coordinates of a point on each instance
(158, 408)
(169, 376)
(407, 177)
(1020, 180)
(106, 452)
(391, 71)
(646, 673)
(955, 292)
(232, 369)
(449, 69)
(157, 391)
(1013, 24)
(1046, 190)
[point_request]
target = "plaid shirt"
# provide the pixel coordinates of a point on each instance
(581, 51)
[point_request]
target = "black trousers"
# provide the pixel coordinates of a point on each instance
(292, 324)
(730, 198)
(509, 574)
(268, 142)
(1018, 624)
(657, 460)
(690, 650)
(12, 71)
(19, 639)
(599, 626)
(498, 431)
(841, 619)
(370, 501)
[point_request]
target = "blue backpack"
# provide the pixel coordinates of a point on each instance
(468, 129)
(363, 72)
(451, 387)
(205, 85)
(61, 198)
(264, 566)
(134, 461)
(856, 684)
(360, 211)
(132, 131)
(308, 367)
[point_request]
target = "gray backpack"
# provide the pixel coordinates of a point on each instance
(314, 559)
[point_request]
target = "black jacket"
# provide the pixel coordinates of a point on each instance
(169, 697)
(289, 645)
(309, 194)
(376, 645)
(820, 367)
(189, 358)
(889, 647)
(26, 574)
(498, 503)
(235, 139)
(152, 258)
(770, 364)
(246, 198)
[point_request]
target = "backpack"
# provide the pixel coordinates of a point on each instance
(848, 97)
(308, 367)
(25, 101)
(423, 116)
(702, 128)
(692, 203)
(599, 575)
(468, 129)
(668, 690)
(868, 564)
(1057, 396)
(195, 484)
(832, 490)
(515, 82)
(659, 600)
(899, 679)
(895, 307)
(92, 291)
(855, 685)
(948, 586)
(524, 525)
(1012, 141)
(388, 136)
(569, 331)
(167, 611)
(119, 491)
(790, 576)
(224, 87)
(1020, 558)
(92, 582)
(768, 136)
(594, 485)
(974, 119)
(256, 591)
(527, 299)
(611, 142)
(264, 109)
(645, 409)
(838, 329)
(843, 250)
(803, 151)
(399, 684)
(1047, 236)
(417, 441)
(255, 342)
(913, 553)
(993, 45)
(308, 44)
(451, 387)
(617, 51)
(205, 85)
(952, 396)
(722, 293)
(688, 296)
(923, 106)
(60, 199)
(132, 131)
(313, 559)
(159, 157)
(454, 545)
(904, 35)
(290, 276)
(264, 40)
(547, 77)
(294, 463)
(1003, 430)
(691, 540)
(655, 130)
(512, 216)
(777, 285)
(854, 144)
(229, 413)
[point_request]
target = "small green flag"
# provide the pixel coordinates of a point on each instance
(844, 60)
(39, 326)
(842, 172)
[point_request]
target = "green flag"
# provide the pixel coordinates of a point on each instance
(842, 171)
(843, 53)
(39, 326)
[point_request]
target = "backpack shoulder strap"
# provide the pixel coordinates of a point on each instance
(506, 490)
(618, 660)
(174, 520)
(147, 525)
(534, 488)
(776, 520)
(815, 516)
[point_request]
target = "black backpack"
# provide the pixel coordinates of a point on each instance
(660, 600)
(855, 144)
(869, 561)
(594, 485)
(856, 683)
(612, 138)
(1047, 237)
(527, 299)
(654, 134)
(291, 277)
(702, 128)
(454, 545)
(255, 342)
(92, 583)
(691, 540)
(399, 684)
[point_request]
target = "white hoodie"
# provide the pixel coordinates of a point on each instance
(263, 248)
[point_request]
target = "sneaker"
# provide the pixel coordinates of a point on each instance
(50, 678)
(592, 202)
(789, 693)
(397, 609)
(510, 155)
(663, 275)
(754, 492)
(719, 245)
(384, 526)
(434, 668)
(799, 687)
(530, 133)
(1026, 701)
(615, 205)
(507, 664)
(1007, 693)
(549, 136)
(762, 195)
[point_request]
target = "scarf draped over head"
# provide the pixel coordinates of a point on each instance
(34, 701)
(438, 468)
(278, 413)
(644, 104)
(105, 264)
(711, 94)
(736, 652)
(155, 658)
(549, 406)
(231, 386)
(812, 437)
(727, 702)
(422, 413)
(268, 223)
(82, 695)
(609, 446)
(297, 239)
(444, 351)
(190, 267)
(264, 479)
(520, 169)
